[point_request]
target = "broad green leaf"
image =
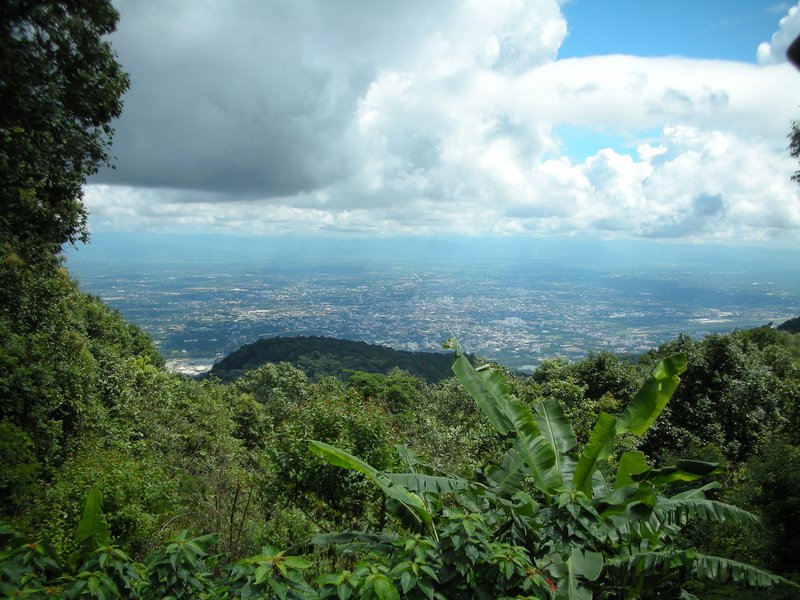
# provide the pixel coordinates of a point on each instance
(407, 581)
(715, 568)
(554, 425)
(486, 386)
(599, 485)
(340, 458)
(508, 474)
(679, 509)
(384, 589)
(420, 483)
(699, 492)
(329, 579)
(618, 501)
(556, 428)
(93, 529)
(281, 589)
(586, 565)
(413, 503)
(262, 573)
(568, 464)
(641, 559)
(409, 456)
(295, 562)
(597, 448)
(344, 591)
(653, 396)
(351, 540)
(629, 463)
(682, 470)
(537, 452)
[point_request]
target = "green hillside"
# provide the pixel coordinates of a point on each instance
(324, 356)
(790, 326)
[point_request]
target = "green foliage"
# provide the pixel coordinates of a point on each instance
(410, 504)
(178, 570)
(794, 147)
(726, 373)
(19, 466)
(770, 484)
(549, 489)
(27, 567)
(61, 88)
(45, 368)
(792, 325)
(93, 531)
(322, 356)
(653, 396)
(443, 427)
(596, 449)
(465, 562)
(106, 573)
(97, 570)
(397, 390)
(589, 536)
(583, 389)
(270, 574)
(331, 415)
(547, 514)
(138, 493)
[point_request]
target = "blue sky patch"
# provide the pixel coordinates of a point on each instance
(579, 143)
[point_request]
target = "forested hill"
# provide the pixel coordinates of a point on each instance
(790, 326)
(319, 356)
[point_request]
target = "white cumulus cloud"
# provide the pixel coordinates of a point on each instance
(413, 117)
(774, 51)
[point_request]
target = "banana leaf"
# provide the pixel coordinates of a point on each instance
(653, 396)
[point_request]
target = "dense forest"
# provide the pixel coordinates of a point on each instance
(88, 405)
(676, 475)
(320, 356)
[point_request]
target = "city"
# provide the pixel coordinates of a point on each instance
(510, 311)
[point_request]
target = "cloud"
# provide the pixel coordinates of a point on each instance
(774, 51)
(697, 219)
(258, 99)
(384, 118)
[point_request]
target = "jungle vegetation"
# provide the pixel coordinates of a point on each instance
(319, 356)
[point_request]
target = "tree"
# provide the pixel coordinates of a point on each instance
(60, 88)
(794, 147)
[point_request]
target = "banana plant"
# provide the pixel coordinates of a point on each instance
(623, 530)
(590, 530)
(546, 441)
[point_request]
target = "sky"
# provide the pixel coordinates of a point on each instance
(618, 119)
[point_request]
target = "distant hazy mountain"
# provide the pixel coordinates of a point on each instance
(320, 356)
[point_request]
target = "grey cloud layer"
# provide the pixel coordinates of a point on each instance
(260, 99)
(233, 102)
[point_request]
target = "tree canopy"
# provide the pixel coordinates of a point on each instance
(319, 356)
(794, 147)
(60, 88)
